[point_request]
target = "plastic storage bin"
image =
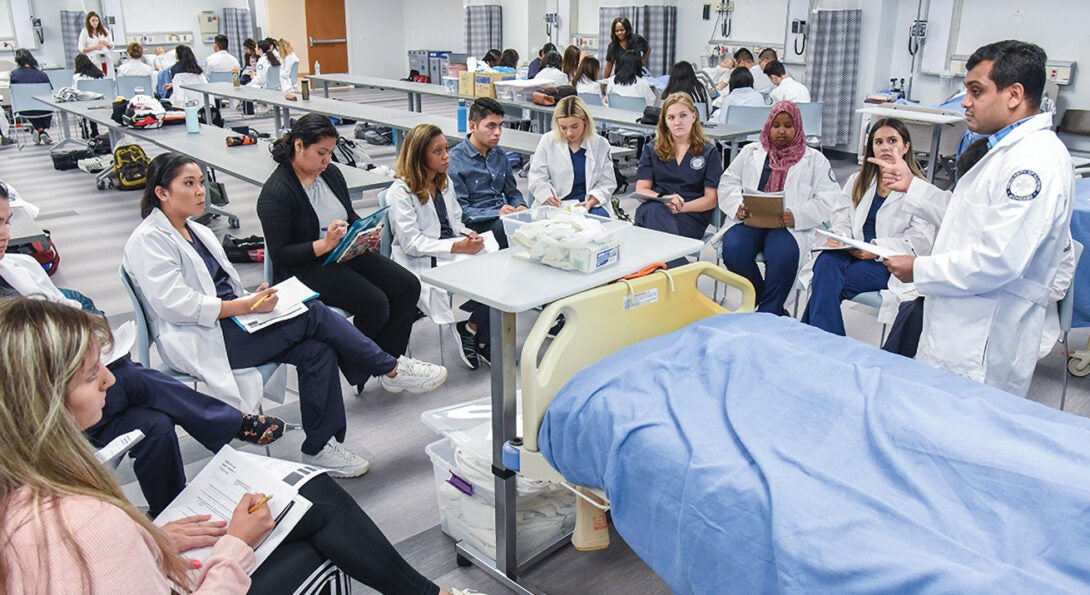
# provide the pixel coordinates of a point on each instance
(518, 89)
(467, 499)
(596, 255)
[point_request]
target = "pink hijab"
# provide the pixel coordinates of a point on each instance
(780, 159)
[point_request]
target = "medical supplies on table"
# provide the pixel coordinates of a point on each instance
(519, 90)
(566, 239)
(465, 486)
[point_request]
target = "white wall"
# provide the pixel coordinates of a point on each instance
(376, 36)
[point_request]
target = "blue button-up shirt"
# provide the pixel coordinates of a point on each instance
(994, 139)
(482, 183)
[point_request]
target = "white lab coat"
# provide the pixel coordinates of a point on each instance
(179, 296)
(221, 61)
(99, 57)
(895, 228)
(260, 73)
(288, 82)
(416, 241)
(990, 276)
(26, 276)
(551, 171)
(790, 90)
(761, 82)
(640, 88)
(179, 96)
(810, 192)
(552, 75)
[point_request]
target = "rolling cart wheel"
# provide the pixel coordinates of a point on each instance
(463, 562)
(234, 223)
(100, 185)
(1078, 366)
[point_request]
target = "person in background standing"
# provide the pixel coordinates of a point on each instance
(621, 40)
(94, 41)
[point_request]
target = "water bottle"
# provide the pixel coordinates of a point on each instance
(235, 78)
(192, 124)
(462, 115)
(317, 67)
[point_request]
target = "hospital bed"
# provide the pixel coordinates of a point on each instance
(751, 453)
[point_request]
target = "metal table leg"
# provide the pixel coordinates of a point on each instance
(936, 134)
(207, 109)
(325, 87)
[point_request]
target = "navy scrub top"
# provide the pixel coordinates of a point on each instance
(687, 179)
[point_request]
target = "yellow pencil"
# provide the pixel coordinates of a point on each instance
(259, 302)
(264, 500)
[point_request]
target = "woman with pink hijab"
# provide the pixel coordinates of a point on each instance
(780, 163)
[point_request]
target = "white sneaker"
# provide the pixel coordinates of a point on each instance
(414, 376)
(465, 592)
(340, 461)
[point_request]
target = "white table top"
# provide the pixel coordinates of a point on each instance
(252, 163)
(24, 229)
(910, 115)
(511, 284)
(375, 82)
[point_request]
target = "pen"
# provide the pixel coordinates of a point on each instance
(259, 302)
(264, 501)
(470, 234)
(283, 513)
(825, 224)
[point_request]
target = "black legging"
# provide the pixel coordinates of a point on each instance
(380, 294)
(337, 529)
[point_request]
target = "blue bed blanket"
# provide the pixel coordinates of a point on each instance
(749, 453)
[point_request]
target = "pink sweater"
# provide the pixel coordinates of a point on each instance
(122, 557)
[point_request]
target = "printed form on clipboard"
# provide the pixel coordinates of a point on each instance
(291, 295)
(219, 487)
(874, 249)
(363, 235)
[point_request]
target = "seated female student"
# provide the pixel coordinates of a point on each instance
(628, 82)
(573, 163)
(267, 58)
(190, 288)
(185, 71)
(85, 70)
(27, 72)
(550, 70)
(428, 231)
(875, 216)
(570, 64)
(288, 60)
(683, 80)
(490, 60)
(305, 210)
(623, 40)
(142, 398)
(535, 64)
(586, 77)
(509, 61)
(249, 60)
(682, 166)
(781, 162)
(741, 93)
(136, 64)
(67, 526)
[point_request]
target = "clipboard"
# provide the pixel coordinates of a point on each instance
(764, 209)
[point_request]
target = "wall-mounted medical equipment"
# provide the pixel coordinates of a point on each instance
(1057, 71)
(209, 24)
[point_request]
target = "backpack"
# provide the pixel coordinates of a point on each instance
(130, 168)
(251, 249)
(347, 152)
(143, 111)
(44, 251)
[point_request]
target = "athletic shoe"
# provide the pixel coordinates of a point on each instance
(484, 353)
(261, 430)
(37, 136)
(45, 138)
(414, 376)
(465, 592)
(468, 341)
(6, 141)
(340, 461)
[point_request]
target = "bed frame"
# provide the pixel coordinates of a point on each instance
(599, 322)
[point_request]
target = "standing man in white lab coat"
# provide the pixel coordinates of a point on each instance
(1003, 231)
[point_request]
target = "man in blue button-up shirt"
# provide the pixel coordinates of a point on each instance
(482, 176)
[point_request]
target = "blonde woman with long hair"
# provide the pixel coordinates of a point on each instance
(573, 163)
(426, 220)
(683, 167)
(288, 61)
(67, 527)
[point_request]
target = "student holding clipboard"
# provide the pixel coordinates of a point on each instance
(66, 524)
(781, 162)
(189, 287)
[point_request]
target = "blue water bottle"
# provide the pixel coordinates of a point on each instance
(462, 115)
(192, 124)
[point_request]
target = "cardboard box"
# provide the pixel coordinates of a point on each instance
(485, 82)
(466, 84)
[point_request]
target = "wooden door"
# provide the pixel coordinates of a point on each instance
(327, 41)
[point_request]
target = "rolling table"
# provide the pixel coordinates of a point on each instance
(508, 285)
(251, 163)
(936, 120)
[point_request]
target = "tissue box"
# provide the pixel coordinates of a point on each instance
(466, 84)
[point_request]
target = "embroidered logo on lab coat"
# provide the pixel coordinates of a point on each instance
(1024, 185)
(697, 162)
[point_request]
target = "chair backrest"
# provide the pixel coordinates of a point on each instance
(60, 77)
(220, 77)
(272, 78)
(143, 330)
(811, 119)
(267, 266)
(591, 98)
(748, 116)
(126, 85)
(1067, 304)
(702, 109)
(635, 104)
(104, 86)
(294, 72)
(386, 241)
(22, 97)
